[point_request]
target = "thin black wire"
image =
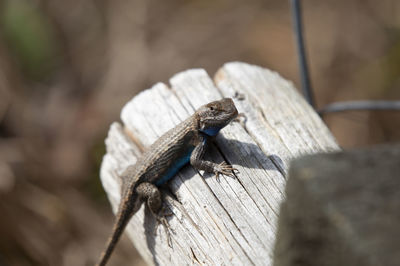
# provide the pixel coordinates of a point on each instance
(304, 73)
(360, 106)
(306, 82)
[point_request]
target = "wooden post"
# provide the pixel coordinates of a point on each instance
(231, 222)
(342, 209)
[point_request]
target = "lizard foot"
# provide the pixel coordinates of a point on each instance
(225, 169)
(162, 220)
(241, 119)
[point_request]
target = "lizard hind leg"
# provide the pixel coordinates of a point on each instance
(153, 197)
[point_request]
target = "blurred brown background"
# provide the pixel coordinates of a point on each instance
(67, 68)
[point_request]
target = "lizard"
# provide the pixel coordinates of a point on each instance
(183, 144)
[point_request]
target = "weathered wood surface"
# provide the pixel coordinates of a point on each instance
(342, 209)
(231, 222)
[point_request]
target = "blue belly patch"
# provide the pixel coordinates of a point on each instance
(211, 131)
(171, 172)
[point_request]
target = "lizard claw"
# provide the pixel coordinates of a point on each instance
(161, 219)
(241, 119)
(225, 169)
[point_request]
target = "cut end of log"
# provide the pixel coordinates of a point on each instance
(232, 221)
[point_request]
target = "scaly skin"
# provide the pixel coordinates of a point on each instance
(185, 143)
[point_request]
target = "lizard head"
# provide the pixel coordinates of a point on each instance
(213, 116)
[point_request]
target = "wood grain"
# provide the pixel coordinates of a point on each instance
(231, 222)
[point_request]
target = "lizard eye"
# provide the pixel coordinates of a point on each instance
(211, 108)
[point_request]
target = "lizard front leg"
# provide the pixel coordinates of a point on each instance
(197, 162)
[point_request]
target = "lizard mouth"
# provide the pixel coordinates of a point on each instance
(233, 109)
(228, 102)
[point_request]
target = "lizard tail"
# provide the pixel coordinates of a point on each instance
(124, 214)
